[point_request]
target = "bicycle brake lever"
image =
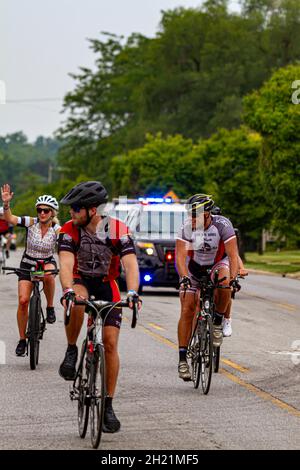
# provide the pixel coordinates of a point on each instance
(68, 313)
(134, 312)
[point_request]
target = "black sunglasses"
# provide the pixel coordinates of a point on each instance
(42, 209)
(76, 207)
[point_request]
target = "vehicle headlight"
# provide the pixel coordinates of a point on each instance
(147, 247)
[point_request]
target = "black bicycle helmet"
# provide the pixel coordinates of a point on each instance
(198, 201)
(87, 194)
(216, 211)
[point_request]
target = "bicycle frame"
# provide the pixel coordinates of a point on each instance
(89, 385)
(36, 321)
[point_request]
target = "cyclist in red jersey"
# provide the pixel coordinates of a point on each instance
(6, 230)
(90, 248)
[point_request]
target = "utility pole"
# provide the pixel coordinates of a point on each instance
(50, 169)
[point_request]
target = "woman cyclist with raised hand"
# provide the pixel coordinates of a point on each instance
(41, 237)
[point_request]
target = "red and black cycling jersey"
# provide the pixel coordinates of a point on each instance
(97, 254)
(4, 226)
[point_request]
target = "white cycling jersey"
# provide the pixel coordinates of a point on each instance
(207, 247)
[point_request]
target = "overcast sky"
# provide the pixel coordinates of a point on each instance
(42, 41)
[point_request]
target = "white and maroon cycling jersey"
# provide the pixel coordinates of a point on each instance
(38, 246)
(207, 247)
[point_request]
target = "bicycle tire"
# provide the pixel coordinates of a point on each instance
(217, 351)
(195, 358)
(34, 320)
(97, 393)
(83, 401)
(206, 354)
(2, 259)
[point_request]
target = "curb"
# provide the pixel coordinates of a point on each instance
(268, 273)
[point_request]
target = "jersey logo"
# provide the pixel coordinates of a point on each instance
(223, 222)
(67, 237)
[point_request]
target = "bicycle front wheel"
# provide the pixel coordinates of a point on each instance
(34, 320)
(194, 349)
(83, 374)
(206, 353)
(216, 358)
(97, 392)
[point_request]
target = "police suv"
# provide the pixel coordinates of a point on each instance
(153, 223)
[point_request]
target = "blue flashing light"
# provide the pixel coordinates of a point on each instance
(147, 278)
(155, 200)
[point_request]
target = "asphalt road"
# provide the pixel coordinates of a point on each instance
(254, 402)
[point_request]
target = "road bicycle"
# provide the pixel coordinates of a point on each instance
(203, 355)
(89, 386)
(36, 320)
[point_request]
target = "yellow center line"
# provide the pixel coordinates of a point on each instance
(290, 307)
(173, 345)
(252, 388)
(262, 394)
(234, 365)
(157, 327)
(159, 337)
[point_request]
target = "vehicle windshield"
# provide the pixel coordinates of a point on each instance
(164, 224)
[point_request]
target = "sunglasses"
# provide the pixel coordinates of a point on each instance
(76, 207)
(42, 209)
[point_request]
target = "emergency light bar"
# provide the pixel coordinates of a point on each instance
(155, 200)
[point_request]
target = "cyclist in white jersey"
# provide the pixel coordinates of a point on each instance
(41, 238)
(203, 242)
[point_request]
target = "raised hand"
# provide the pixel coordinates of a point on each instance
(6, 194)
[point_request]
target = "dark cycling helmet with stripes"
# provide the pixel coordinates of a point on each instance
(87, 194)
(199, 202)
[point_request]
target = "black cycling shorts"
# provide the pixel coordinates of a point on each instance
(9, 230)
(104, 290)
(28, 263)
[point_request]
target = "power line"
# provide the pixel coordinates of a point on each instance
(33, 100)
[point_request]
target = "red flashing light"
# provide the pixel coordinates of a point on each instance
(169, 256)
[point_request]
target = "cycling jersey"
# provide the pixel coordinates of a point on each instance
(97, 254)
(207, 247)
(4, 227)
(36, 245)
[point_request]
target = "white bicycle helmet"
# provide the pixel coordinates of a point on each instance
(47, 200)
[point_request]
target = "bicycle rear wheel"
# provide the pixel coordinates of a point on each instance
(206, 353)
(217, 351)
(34, 320)
(83, 408)
(97, 392)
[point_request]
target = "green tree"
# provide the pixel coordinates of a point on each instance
(272, 113)
(190, 79)
(154, 168)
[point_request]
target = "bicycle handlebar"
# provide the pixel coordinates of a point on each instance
(99, 305)
(29, 271)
